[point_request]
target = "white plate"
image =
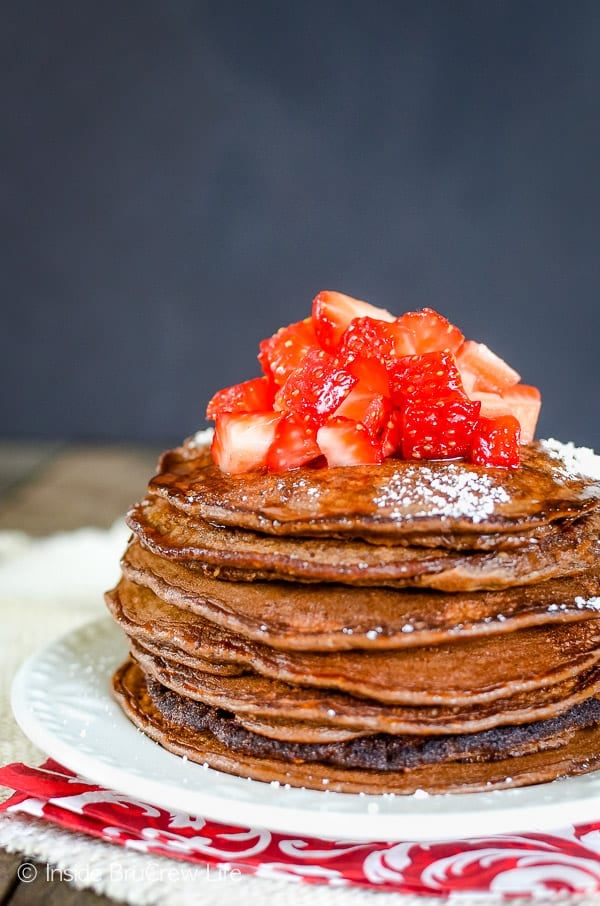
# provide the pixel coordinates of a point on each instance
(61, 698)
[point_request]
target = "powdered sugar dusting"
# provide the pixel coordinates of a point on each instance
(577, 461)
(592, 603)
(202, 438)
(454, 493)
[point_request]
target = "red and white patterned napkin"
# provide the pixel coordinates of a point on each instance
(567, 861)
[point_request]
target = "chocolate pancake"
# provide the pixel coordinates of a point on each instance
(173, 533)
(238, 555)
(463, 672)
(274, 702)
(569, 744)
(387, 501)
(336, 617)
(381, 751)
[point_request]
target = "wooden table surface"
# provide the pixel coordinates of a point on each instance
(56, 487)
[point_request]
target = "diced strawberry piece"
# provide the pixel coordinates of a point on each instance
(250, 396)
(391, 436)
(352, 385)
(525, 403)
(492, 404)
(332, 313)
(437, 429)
(362, 405)
(294, 445)
(369, 339)
(496, 442)
(371, 374)
(347, 443)
(242, 440)
(316, 388)
(285, 350)
(469, 380)
(429, 376)
(404, 339)
(432, 332)
(492, 374)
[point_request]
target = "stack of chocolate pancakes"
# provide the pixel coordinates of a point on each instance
(373, 629)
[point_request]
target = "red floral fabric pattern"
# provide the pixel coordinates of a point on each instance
(567, 861)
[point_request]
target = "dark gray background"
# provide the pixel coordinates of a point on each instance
(180, 178)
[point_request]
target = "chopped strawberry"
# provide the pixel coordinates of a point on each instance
(255, 395)
(285, 350)
(370, 372)
(469, 379)
(353, 385)
(496, 442)
(432, 332)
(492, 404)
(525, 403)
(391, 436)
(242, 440)
(369, 339)
(370, 409)
(347, 443)
(431, 376)
(522, 401)
(405, 342)
(483, 369)
(438, 428)
(316, 388)
(294, 445)
(332, 313)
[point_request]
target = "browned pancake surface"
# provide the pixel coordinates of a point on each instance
(473, 670)
(579, 753)
(386, 500)
(379, 751)
(274, 700)
(336, 617)
(239, 555)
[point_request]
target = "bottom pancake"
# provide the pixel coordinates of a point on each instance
(556, 748)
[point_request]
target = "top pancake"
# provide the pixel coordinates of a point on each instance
(382, 503)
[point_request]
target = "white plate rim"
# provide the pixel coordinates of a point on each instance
(91, 739)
